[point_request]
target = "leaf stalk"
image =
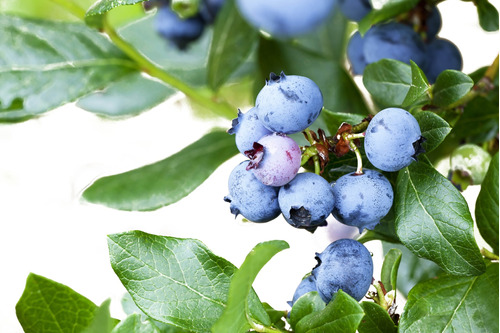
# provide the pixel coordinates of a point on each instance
(219, 107)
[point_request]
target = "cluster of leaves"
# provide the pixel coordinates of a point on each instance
(178, 285)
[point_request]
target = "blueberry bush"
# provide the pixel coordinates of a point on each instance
(341, 111)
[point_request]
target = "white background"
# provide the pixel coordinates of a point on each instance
(45, 163)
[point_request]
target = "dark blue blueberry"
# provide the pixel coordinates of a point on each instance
(441, 55)
(433, 23)
(180, 32)
(394, 41)
(345, 264)
(355, 10)
(355, 53)
(305, 286)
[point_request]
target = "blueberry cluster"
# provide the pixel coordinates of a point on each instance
(345, 264)
(268, 184)
(180, 32)
(413, 37)
(392, 141)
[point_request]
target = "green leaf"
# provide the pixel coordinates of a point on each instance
(95, 14)
(235, 317)
(53, 306)
(479, 122)
(488, 15)
(134, 324)
(130, 308)
(129, 96)
(329, 39)
(342, 314)
(453, 304)
(46, 64)
(102, 321)
(175, 281)
(167, 181)
(276, 316)
(390, 266)
(390, 9)
(232, 42)
(434, 129)
(412, 269)
(433, 220)
(306, 304)
(343, 96)
(450, 86)
(419, 87)
(333, 119)
(187, 65)
(376, 320)
(388, 81)
(487, 206)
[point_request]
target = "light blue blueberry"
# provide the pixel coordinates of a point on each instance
(393, 139)
(289, 104)
(249, 197)
(362, 200)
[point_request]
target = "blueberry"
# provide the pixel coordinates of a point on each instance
(441, 55)
(345, 264)
(394, 41)
(471, 162)
(305, 286)
(247, 129)
(355, 53)
(180, 32)
(362, 200)
(285, 18)
(249, 197)
(393, 139)
(289, 104)
(275, 159)
(306, 201)
(433, 23)
(355, 10)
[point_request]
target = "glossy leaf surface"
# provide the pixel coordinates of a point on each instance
(167, 181)
(454, 304)
(434, 222)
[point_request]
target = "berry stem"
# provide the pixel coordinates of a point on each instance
(309, 136)
(351, 137)
(202, 97)
(317, 166)
(359, 169)
(354, 148)
(489, 255)
(219, 107)
(307, 153)
(482, 87)
(380, 298)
